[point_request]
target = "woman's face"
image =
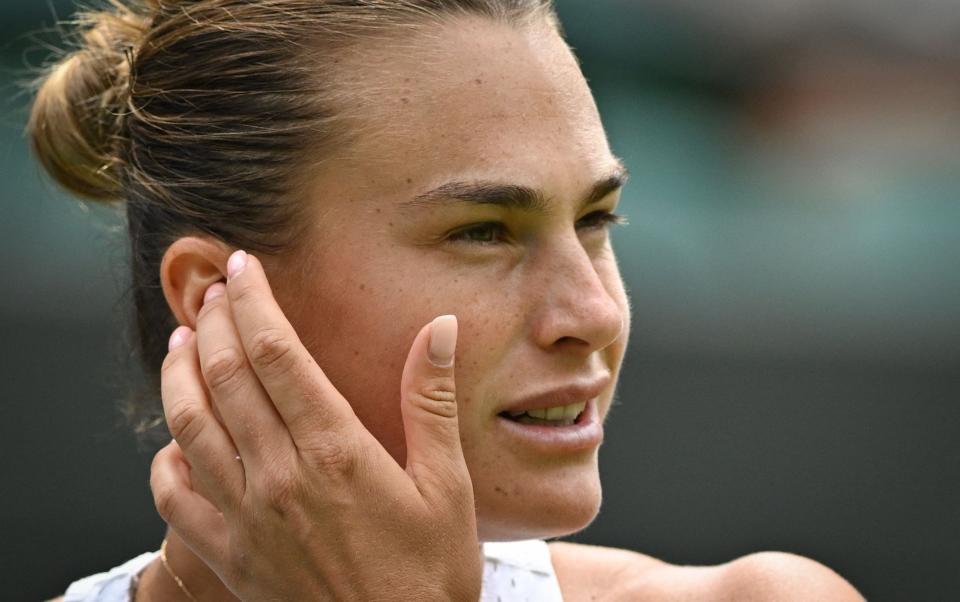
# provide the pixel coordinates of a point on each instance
(535, 285)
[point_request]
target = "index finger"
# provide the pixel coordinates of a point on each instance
(303, 395)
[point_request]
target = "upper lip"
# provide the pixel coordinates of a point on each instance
(574, 392)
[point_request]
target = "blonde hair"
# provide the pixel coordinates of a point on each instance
(200, 115)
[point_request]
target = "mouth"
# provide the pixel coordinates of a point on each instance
(566, 415)
(553, 438)
(559, 406)
(558, 420)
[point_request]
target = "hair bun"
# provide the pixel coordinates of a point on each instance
(76, 122)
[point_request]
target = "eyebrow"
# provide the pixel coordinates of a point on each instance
(510, 196)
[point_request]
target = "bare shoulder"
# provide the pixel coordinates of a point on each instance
(594, 573)
(588, 572)
(783, 576)
(60, 599)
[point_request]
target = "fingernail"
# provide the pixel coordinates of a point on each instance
(213, 291)
(236, 263)
(179, 337)
(443, 340)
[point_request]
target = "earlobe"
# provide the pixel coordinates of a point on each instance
(189, 266)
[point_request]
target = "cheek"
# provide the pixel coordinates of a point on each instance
(360, 332)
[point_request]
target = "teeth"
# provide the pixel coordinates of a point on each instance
(573, 410)
(528, 420)
(564, 415)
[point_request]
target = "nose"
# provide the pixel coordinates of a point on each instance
(578, 309)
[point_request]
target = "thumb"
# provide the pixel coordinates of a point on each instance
(428, 402)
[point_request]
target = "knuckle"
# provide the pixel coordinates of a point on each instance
(331, 458)
(186, 419)
(281, 490)
(165, 500)
(436, 396)
(223, 367)
(272, 349)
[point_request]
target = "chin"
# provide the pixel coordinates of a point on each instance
(560, 502)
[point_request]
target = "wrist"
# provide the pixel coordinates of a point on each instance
(178, 575)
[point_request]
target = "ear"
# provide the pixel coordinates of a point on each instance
(189, 266)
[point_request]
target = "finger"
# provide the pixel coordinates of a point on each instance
(192, 423)
(428, 403)
(193, 517)
(244, 406)
(307, 401)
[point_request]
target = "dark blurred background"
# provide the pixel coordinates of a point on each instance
(793, 258)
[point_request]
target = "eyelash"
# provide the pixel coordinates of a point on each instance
(601, 219)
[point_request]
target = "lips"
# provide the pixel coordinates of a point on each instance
(562, 415)
(553, 440)
(576, 392)
(532, 422)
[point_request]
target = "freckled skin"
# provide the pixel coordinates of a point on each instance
(483, 101)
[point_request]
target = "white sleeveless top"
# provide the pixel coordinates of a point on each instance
(518, 571)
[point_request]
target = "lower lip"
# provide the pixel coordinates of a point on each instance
(585, 434)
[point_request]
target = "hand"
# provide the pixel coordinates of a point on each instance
(274, 482)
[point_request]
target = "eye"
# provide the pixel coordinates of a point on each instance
(486, 233)
(600, 220)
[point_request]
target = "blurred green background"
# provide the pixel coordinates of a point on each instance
(793, 259)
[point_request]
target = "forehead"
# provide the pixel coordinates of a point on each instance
(473, 99)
